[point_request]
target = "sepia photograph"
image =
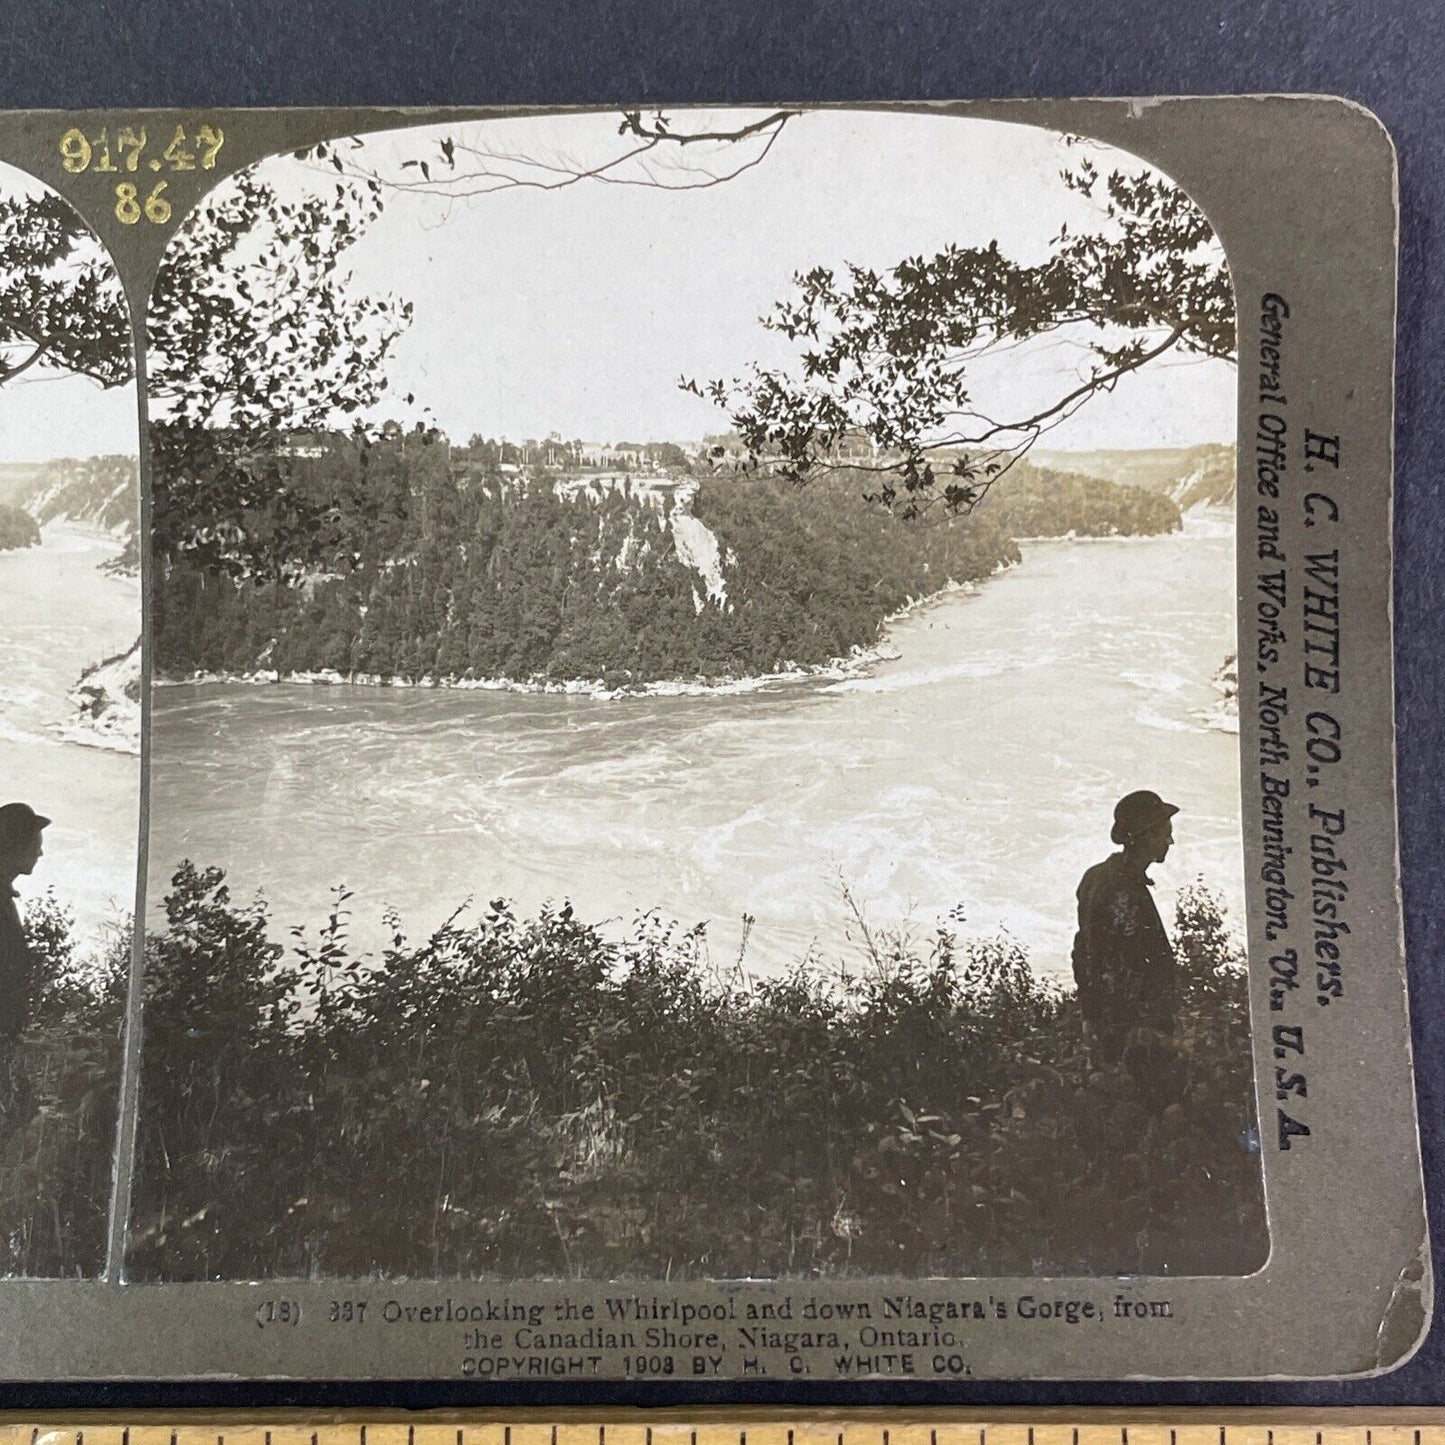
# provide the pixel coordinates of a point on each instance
(70, 707)
(694, 730)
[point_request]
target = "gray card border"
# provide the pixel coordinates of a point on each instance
(1302, 192)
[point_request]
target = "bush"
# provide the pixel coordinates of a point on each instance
(525, 1097)
(61, 1096)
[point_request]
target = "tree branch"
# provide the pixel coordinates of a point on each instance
(444, 177)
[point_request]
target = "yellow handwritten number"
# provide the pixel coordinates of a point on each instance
(176, 153)
(129, 209)
(74, 150)
(158, 209)
(132, 140)
(79, 152)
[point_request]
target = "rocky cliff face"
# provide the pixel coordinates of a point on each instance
(698, 548)
(106, 702)
(1209, 482)
(99, 492)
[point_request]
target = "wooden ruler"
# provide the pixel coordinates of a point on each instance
(736, 1427)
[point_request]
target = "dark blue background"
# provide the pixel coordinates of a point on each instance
(1391, 57)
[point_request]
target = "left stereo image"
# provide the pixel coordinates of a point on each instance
(70, 689)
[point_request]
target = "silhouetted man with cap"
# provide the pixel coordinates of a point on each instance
(1124, 964)
(20, 850)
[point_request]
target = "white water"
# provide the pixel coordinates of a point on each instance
(60, 614)
(979, 768)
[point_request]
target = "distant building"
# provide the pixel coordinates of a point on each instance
(608, 457)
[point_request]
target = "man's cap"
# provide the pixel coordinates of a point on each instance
(19, 824)
(1138, 811)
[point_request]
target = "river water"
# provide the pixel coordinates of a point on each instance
(979, 769)
(61, 613)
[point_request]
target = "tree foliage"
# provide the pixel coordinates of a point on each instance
(61, 304)
(1038, 502)
(455, 571)
(892, 357)
(257, 333)
(458, 576)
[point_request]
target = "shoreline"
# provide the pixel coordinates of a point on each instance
(835, 669)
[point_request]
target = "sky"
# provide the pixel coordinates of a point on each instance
(44, 414)
(578, 309)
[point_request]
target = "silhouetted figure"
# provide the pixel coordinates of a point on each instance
(20, 850)
(1124, 964)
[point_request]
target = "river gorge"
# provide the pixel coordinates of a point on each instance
(974, 773)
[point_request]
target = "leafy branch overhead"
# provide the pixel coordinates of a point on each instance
(61, 305)
(890, 359)
(259, 333)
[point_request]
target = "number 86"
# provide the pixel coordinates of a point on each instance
(129, 208)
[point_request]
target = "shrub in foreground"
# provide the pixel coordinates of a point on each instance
(525, 1097)
(58, 1101)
